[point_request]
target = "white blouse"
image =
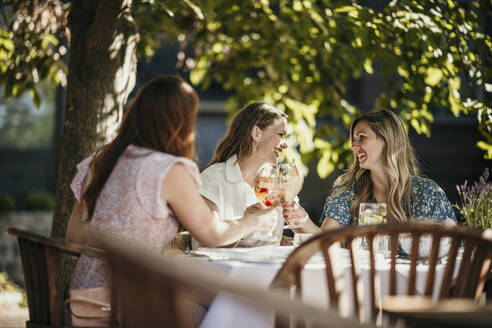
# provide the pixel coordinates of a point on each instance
(223, 185)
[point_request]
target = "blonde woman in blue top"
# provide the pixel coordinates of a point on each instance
(385, 170)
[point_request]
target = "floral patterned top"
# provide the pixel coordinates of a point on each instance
(428, 201)
(129, 206)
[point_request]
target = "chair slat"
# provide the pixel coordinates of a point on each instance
(394, 252)
(431, 273)
(354, 278)
(478, 272)
(414, 256)
(484, 274)
(372, 273)
(35, 277)
(448, 271)
(330, 281)
(465, 267)
(55, 281)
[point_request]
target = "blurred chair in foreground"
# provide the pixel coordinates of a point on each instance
(154, 290)
(425, 243)
(41, 262)
(422, 312)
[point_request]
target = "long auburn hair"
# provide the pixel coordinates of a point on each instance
(399, 162)
(161, 117)
(237, 139)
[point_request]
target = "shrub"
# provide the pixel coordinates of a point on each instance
(39, 200)
(6, 202)
(476, 202)
(7, 285)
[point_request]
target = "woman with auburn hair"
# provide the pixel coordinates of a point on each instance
(385, 170)
(255, 137)
(143, 186)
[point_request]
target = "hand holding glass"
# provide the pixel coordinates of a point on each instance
(278, 183)
(282, 182)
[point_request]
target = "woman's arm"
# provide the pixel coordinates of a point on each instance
(215, 211)
(181, 193)
(213, 208)
(77, 229)
(295, 213)
(329, 223)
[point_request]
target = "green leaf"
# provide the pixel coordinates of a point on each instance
(402, 71)
(434, 76)
(303, 111)
(368, 66)
(350, 10)
(36, 98)
(487, 147)
(199, 71)
(454, 101)
(325, 165)
(48, 40)
(196, 9)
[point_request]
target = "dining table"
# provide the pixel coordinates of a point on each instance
(259, 265)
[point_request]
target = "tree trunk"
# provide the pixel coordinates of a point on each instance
(101, 75)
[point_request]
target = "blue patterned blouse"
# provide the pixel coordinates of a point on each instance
(428, 201)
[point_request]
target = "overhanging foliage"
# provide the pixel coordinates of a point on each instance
(301, 56)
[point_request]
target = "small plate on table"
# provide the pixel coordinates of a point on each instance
(269, 253)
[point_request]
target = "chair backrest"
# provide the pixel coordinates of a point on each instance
(423, 312)
(439, 243)
(41, 263)
(154, 289)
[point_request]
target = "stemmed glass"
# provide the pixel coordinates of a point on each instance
(290, 183)
(267, 193)
(281, 182)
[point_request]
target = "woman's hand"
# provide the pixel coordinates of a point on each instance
(294, 214)
(263, 217)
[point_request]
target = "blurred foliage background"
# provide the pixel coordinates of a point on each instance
(297, 55)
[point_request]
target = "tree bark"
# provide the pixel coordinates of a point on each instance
(101, 75)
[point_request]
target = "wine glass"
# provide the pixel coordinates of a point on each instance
(289, 183)
(266, 190)
(268, 193)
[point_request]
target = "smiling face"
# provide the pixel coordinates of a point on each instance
(367, 146)
(271, 140)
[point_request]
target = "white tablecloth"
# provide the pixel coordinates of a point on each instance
(228, 311)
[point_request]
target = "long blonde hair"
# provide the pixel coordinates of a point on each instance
(399, 162)
(238, 140)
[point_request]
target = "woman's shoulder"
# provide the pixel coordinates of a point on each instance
(422, 184)
(157, 157)
(343, 190)
(216, 170)
(153, 164)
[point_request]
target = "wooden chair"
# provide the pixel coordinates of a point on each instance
(423, 312)
(41, 262)
(156, 290)
(471, 270)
